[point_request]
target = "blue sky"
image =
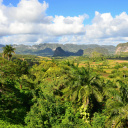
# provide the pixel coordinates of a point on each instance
(79, 7)
(64, 21)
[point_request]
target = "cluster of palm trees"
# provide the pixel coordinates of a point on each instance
(85, 89)
(91, 93)
(7, 51)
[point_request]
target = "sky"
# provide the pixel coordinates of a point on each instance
(32, 22)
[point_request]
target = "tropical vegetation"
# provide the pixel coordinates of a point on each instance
(7, 51)
(73, 92)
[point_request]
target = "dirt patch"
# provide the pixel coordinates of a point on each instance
(121, 61)
(81, 65)
(44, 58)
(104, 75)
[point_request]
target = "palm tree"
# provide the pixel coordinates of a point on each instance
(85, 86)
(7, 51)
(117, 107)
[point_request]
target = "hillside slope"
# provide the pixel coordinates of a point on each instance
(121, 48)
(60, 52)
(47, 49)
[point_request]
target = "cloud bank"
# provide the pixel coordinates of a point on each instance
(28, 23)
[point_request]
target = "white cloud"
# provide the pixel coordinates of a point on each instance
(105, 26)
(27, 39)
(63, 39)
(67, 25)
(28, 23)
(29, 17)
(28, 11)
(25, 18)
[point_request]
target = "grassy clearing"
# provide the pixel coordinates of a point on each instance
(107, 69)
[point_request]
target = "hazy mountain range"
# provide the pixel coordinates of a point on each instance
(60, 52)
(122, 48)
(48, 49)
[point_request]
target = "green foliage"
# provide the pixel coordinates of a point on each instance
(62, 94)
(117, 66)
(13, 104)
(98, 51)
(84, 89)
(98, 121)
(96, 56)
(7, 51)
(48, 111)
(12, 70)
(4, 124)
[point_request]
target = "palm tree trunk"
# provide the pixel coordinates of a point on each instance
(20, 86)
(3, 56)
(8, 58)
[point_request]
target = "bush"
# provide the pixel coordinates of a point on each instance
(4, 124)
(98, 121)
(111, 76)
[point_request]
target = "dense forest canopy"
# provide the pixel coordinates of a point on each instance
(64, 92)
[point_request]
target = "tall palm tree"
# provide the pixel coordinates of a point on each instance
(84, 86)
(7, 51)
(117, 107)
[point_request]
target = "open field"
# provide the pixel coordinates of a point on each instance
(108, 67)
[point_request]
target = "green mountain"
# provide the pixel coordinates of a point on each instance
(101, 50)
(60, 52)
(47, 49)
(122, 48)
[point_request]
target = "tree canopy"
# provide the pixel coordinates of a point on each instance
(7, 51)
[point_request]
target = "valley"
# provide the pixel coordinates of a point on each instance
(64, 90)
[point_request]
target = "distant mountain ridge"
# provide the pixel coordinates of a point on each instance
(47, 49)
(60, 52)
(101, 50)
(1, 45)
(121, 48)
